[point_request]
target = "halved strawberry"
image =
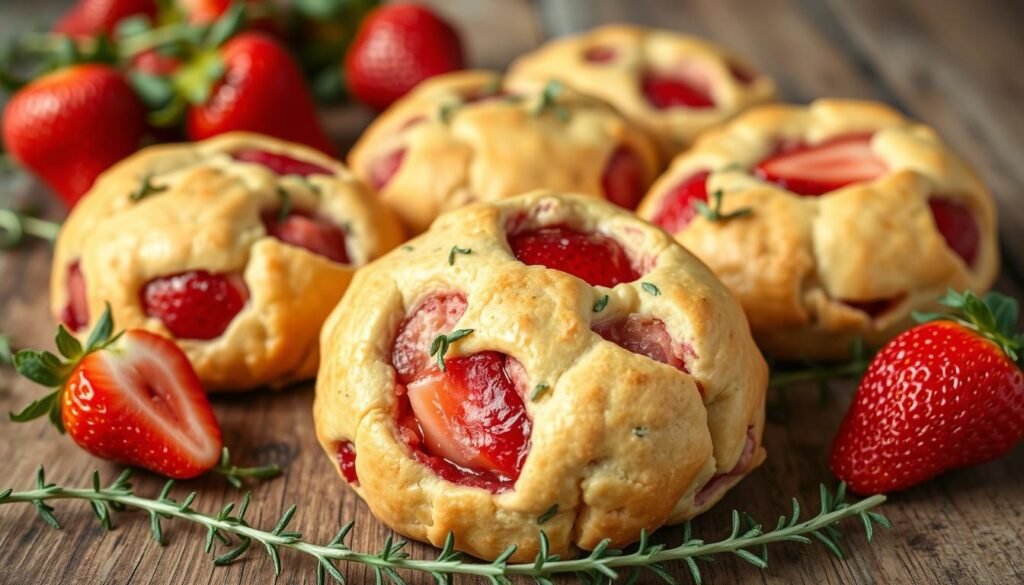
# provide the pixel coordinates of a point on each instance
(595, 258)
(821, 168)
(132, 398)
(76, 313)
(683, 90)
(316, 234)
(625, 178)
(280, 163)
(677, 208)
(195, 304)
(472, 414)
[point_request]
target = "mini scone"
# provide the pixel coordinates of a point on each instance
(237, 248)
(854, 217)
(545, 362)
(463, 137)
(671, 85)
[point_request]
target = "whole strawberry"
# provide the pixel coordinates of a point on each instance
(90, 18)
(257, 87)
(946, 394)
(397, 47)
(70, 125)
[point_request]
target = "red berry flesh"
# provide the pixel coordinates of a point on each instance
(471, 417)
(958, 226)
(595, 258)
(435, 315)
(625, 179)
(667, 91)
(382, 169)
(196, 304)
(75, 315)
(280, 164)
(821, 168)
(677, 208)
(599, 54)
(316, 234)
(347, 462)
(648, 337)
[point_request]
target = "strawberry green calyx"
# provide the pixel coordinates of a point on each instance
(47, 369)
(993, 316)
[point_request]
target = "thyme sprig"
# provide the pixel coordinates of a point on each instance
(714, 211)
(15, 225)
(822, 374)
(439, 347)
(747, 540)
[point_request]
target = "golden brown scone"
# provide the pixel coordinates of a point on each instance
(816, 272)
(203, 211)
(620, 442)
(671, 85)
(462, 137)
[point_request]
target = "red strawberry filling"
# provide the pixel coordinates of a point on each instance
(594, 257)
(624, 179)
(384, 168)
(649, 337)
(677, 208)
(75, 315)
(687, 88)
(599, 54)
(196, 304)
(469, 423)
(742, 73)
(958, 226)
(316, 234)
(347, 462)
(874, 307)
(435, 315)
(821, 168)
(279, 163)
(721, 480)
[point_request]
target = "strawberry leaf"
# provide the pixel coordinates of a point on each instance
(226, 26)
(39, 367)
(42, 407)
(100, 336)
(993, 317)
(68, 346)
(1005, 310)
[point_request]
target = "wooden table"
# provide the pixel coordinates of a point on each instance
(951, 63)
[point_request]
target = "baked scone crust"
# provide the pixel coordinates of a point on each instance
(459, 151)
(637, 50)
(794, 258)
(206, 216)
(608, 479)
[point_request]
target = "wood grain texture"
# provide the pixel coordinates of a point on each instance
(948, 62)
